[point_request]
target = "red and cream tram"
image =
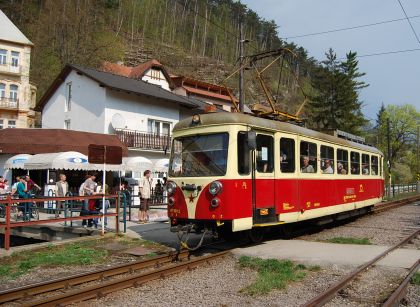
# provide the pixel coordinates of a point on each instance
(236, 172)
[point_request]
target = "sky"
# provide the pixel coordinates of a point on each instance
(394, 78)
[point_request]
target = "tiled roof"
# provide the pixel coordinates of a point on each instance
(135, 72)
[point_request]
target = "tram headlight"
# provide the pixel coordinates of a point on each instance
(215, 188)
(215, 202)
(171, 201)
(171, 187)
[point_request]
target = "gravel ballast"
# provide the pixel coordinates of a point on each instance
(386, 228)
(219, 284)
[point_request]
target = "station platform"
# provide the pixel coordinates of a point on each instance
(320, 253)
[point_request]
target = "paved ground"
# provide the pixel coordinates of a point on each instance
(320, 253)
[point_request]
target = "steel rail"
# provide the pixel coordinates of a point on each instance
(395, 298)
(378, 208)
(331, 292)
(136, 280)
(66, 282)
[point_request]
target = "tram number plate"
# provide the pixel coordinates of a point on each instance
(263, 211)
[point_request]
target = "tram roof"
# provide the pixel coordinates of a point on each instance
(267, 124)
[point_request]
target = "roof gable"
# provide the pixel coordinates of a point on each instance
(9, 32)
(115, 82)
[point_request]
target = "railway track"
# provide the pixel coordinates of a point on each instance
(393, 300)
(98, 283)
(381, 207)
(27, 295)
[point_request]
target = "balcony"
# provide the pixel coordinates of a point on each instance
(10, 69)
(144, 140)
(9, 103)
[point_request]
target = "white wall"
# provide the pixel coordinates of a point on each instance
(136, 110)
(156, 76)
(87, 106)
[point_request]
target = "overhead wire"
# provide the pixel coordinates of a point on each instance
(409, 21)
(351, 28)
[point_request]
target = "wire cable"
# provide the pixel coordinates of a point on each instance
(385, 53)
(409, 22)
(351, 28)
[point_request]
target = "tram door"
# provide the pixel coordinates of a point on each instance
(263, 179)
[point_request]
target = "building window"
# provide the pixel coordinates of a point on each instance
(11, 124)
(14, 92)
(15, 58)
(1, 123)
(3, 56)
(327, 159)
(67, 106)
(2, 90)
(308, 160)
(287, 155)
(158, 127)
(67, 124)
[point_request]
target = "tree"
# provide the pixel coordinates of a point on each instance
(336, 103)
(403, 121)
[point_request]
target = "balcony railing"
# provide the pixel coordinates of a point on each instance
(9, 68)
(9, 103)
(144, 140)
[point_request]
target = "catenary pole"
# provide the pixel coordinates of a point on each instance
(388, 137)
(241, 70)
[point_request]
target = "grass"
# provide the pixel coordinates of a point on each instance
(415, 279)
(343, 240)
(272, 274)
(71, 254)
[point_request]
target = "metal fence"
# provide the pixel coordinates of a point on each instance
(158, 199)
(401, 188)
(20, 212)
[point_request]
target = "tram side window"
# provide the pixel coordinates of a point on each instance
(308, 154)
(374, 162)
(342, 161)
(243, 153)
(287, 155)
(380, 166)
(327, 159)
(365, 164)
(355, 163)
(265, 153)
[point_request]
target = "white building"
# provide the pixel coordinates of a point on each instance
(141, 114)
(17, 95)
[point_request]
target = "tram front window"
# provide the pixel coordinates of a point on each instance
(199, 155)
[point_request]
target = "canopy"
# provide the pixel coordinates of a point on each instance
(70, 160)
(137, 164)
(161, 165)
(17, 161)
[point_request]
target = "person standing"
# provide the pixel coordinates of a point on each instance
(89, 188)
(145, 194)
(21, 191)
(62, 188)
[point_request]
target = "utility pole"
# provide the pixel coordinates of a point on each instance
(241, 70)
(418, 159)
(388, 136)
